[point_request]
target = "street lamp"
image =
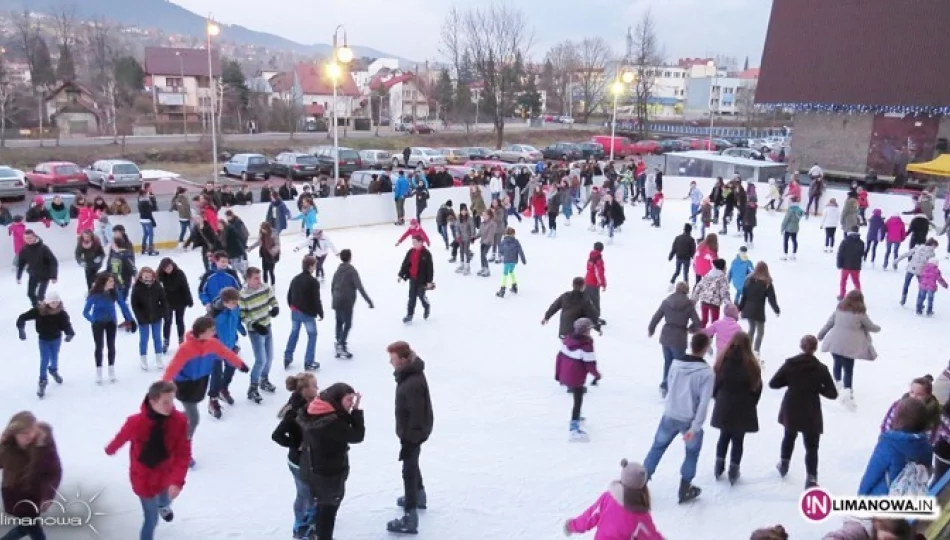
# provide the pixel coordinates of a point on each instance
(617, 88)
(715, 78)
(212, 30)
(342, 55)
(184, 102)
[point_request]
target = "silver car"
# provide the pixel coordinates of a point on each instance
(12, 184)
(110, 174)
(375, 158)
(420, 156)
(519, 153)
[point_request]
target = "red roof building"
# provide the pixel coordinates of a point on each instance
(312, 80)
(180, 61)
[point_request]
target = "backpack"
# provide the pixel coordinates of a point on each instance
(914, 479)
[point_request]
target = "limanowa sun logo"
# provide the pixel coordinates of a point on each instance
(75, 511)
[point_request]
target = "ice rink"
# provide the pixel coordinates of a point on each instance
(498, 465)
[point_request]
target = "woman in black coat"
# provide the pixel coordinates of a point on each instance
(331, 423)
(757, 290)
(303, 388)
(150, 307)
(178, 294)
(737, 390)
(807, 380)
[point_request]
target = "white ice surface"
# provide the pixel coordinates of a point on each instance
(498, 465)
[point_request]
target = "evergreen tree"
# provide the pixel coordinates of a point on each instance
(129, 79)
(43, 73)
(548, 84)
(444, 93)
(235, 85)
(530, 98)
(66, 68)
(466, 69)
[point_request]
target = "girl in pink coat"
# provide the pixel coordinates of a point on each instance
(17, 229)
(622, 512)
(87, 218)
(724, 328)
(927, 282)
(706, 252)
(896, 231)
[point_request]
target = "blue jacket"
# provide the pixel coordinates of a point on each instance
(277, 215)
(100, 307)
(893, 451)
(227, 323)
(739, 271)
(510, 249)
(192, 364)
(876, 229)
(401, 188)
(212, 282)
(309, 218)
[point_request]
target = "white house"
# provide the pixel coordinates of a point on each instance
(309, 86)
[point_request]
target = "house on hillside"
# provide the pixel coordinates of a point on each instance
(72, 108)
(308, 86)
(407, 95)
(180, 83)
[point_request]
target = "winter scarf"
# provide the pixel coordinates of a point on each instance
(154, 452)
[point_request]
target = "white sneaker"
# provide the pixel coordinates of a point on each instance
(143, 360)
(99, 375)
(112, 374)
(158, 361)
(579, 436)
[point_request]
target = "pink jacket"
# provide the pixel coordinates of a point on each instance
(896, 231)
(702, 263)
(613, 521)
(723, 330)
(16, 230)
(930, 276)
(86, 220)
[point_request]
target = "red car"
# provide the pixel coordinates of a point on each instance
(420, 129)
(646, 146)
(54, 175)
(698, 144)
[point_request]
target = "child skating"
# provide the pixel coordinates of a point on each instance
(623, 511)
(486, 235)
(876, 233)
(575, 361)
(830, 218)
(539, 207)
(930, 277)
(52, 323)
(511, 252)
(739, 270)
(463, 230)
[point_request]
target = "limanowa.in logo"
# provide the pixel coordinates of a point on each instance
(75, 511)
(817, 505)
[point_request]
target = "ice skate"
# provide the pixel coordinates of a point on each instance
(99, 375)
(337, 350)
(55, 375)
(311, 367)
(267, 386)
(460, 268)
(407, 524)
(671, 288)
(159, 364)
(41, 389)
(214, 408)
(407, 319)
(143, 361)
(421, 501)
(734, 473)
(225, 395)
(783, 258)
(688, 492)
(466, 270)
(254, 395)
(847, 399)
(811, 482)
(719, 468)
(592, 228)
(452, 260)
(344, 352)
(514, 288)
(166, 511)
(165, 346)
(426, 309)
(782, 467)
(112, 374)
(534, 231)
(577, 434)
(793, 257)
(500, 293)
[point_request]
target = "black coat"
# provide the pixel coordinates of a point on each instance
(177, 290)
(39, 260)
(324, 456)
(736, 401)
(303, 295)
(807, 379)
(414, 418)
(917, 229)
(149, 304)
(288, 432)
(573, 305)
(426, 272)
(749, 220)
(851, 252)
(754, 295)
(50, 325)
(684, 247)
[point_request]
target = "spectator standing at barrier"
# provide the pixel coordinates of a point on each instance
(401, 190)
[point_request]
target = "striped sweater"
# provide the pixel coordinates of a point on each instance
(256, 305)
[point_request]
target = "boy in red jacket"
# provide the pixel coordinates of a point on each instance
(657, 207)
(595, 280)
(539, 207)
(159, 455)
(414, 229)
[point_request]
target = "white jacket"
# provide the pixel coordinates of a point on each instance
(830, 217)
(321, 246)
(494, 185)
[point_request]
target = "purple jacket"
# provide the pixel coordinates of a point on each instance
(575, 360)
(930, 276)
(876, 230)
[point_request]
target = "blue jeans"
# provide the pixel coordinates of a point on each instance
(845, 364)
(693, 212)
(682, 266)
(670, 354)
(150, 512)
(656, 215)
(872, 249)
(221, 375)
(908, 277)
(738, 295)
(148, 236)
(185, 226)
(896, 246)
(668, 429)
(155, 329)
(34, 532)
(49, 356)
(263, 346)
(929, 297)
(310, 324)
(304, 503)
(538, 223)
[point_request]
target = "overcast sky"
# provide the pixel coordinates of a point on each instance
(410, 28)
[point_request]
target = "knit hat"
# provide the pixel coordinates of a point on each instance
(632, 475)
(732, 311)
(583, 325)
(52, 297)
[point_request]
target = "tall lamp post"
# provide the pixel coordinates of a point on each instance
(184, 102)
(342, 56)
(212, 30)
(617, 88)
(715, 82)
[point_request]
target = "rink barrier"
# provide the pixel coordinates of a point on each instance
(369, 210)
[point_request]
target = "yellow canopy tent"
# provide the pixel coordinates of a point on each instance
(937, 167)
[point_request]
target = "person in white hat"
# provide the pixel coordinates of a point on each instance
(52, 322)
(623, 510)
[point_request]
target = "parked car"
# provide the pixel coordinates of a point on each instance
(376, 159)
(747, 153)
(591, 150)
(110, 174)
(673, 145)
(53, 175)
(696, 143)
(349, 159)
(12, 184)
(621, 145)
(647, 146)
(563, 151)
(454, 156)
(295, 166)
(721, 144)
(480, 152)
(247, 167)
(420, 155)
(359, 181)
(519, 153)
(565, 120)
(421, 129)
(757, 144)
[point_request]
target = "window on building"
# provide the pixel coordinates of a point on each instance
(174, 82)
(203, 82)
(666, 74)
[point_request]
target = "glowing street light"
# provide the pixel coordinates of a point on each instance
(342, 55)
(618, 87)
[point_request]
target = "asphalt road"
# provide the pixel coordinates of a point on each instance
(247, 137)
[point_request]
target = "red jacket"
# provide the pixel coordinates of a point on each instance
(146, 482)
(596, 275)
(211, 216)
(863, 199)
(539, 203)
(414, 229)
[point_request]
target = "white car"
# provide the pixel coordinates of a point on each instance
(419, 156)
(12, 183)
(519, 153)
(565, 120)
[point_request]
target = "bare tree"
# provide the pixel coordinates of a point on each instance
(453, 48)
(65, 21)
(7, 104)
(646, 53)
(27, 32)
(564, 62)
(495, 37)
(102, 49)
(592, 57)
